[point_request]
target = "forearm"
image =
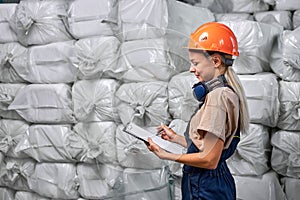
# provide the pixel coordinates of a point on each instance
(179, 139)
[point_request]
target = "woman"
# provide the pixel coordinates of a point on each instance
(213, 131)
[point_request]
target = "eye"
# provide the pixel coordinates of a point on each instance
(194, 63)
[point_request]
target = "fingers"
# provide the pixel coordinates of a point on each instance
(152, 146)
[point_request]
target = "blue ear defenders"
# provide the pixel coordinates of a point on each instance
(201, 89)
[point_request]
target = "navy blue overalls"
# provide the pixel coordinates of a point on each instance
(206, 184)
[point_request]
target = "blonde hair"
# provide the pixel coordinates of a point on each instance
(234, 81)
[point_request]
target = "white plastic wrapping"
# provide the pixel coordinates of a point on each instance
(99, 181)
(265, 187)
(98, 140)
(49, 63)
(8, 93)
(285, 159)
(291, 187)
(55, 180)
(97, 57)
(262, 97)
(255, 45)
(7, 34)
(50, 143)
(94, 100)
(22, 195)
(141, 19)
(44, 103)
(253, 152)
(179, 126)
(7, 194)
(236, 6)
(145, 60)
(40, 22)
(11, 132)
(146, 184)
(287, 5)
(88, 18)
(289, 97)
(144, 103)
(133, 153)
(15, 173)
(182, 103)
(12, 55)
(279, 18)
(296, 19)
(183, 20)
(233, 16)
(285, 60)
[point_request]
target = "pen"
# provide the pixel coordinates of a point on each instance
(157, 134)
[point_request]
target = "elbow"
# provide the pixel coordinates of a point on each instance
(212, 164)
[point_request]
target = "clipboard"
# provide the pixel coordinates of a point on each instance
(143, 135)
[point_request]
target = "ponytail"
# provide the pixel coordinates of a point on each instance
(234, 81)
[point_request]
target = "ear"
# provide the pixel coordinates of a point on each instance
(217, 60)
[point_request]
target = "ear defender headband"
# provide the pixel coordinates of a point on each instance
(201, 89)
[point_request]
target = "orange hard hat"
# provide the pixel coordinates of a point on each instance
(214, 36)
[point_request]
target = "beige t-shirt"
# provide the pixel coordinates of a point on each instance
(218, 115)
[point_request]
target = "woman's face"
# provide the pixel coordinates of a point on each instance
(203, 67)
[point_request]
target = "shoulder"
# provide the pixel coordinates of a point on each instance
(222, 95)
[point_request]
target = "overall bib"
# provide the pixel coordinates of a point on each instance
(206, 184)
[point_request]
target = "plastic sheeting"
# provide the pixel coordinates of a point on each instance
(50, 143)
(279, 18)
(265, 187)
(100, 181)
(146, 60)
(12, 55)
(22, 195)
(262, 97)
(182, 103)
(237, 6)
(7, 194)
(55, 180)
(7, 34)
(296, 19)
(49, 63)
(285, 55)
(183, 20)
(291, 187)
(97, 57)
(141, 19)
(133, 153)
(146, 184)
(289, 97)
(91, 18)
(179, 126)
(146, 104)
(11, 132)
(255, 40)
(44, 103)
(94, 100)
(233, 16)
(285, 159)
(15, 173)
(8, 93)
(98, 139)
(287, 5)
(40, 22)
(253, 152)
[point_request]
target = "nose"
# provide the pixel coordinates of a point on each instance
(192, 69)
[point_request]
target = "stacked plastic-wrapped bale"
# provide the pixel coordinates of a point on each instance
(285, 152)
(142, 95)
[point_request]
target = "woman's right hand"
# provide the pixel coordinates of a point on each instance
(166, 133)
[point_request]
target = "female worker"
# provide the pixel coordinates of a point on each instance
(212, 134)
